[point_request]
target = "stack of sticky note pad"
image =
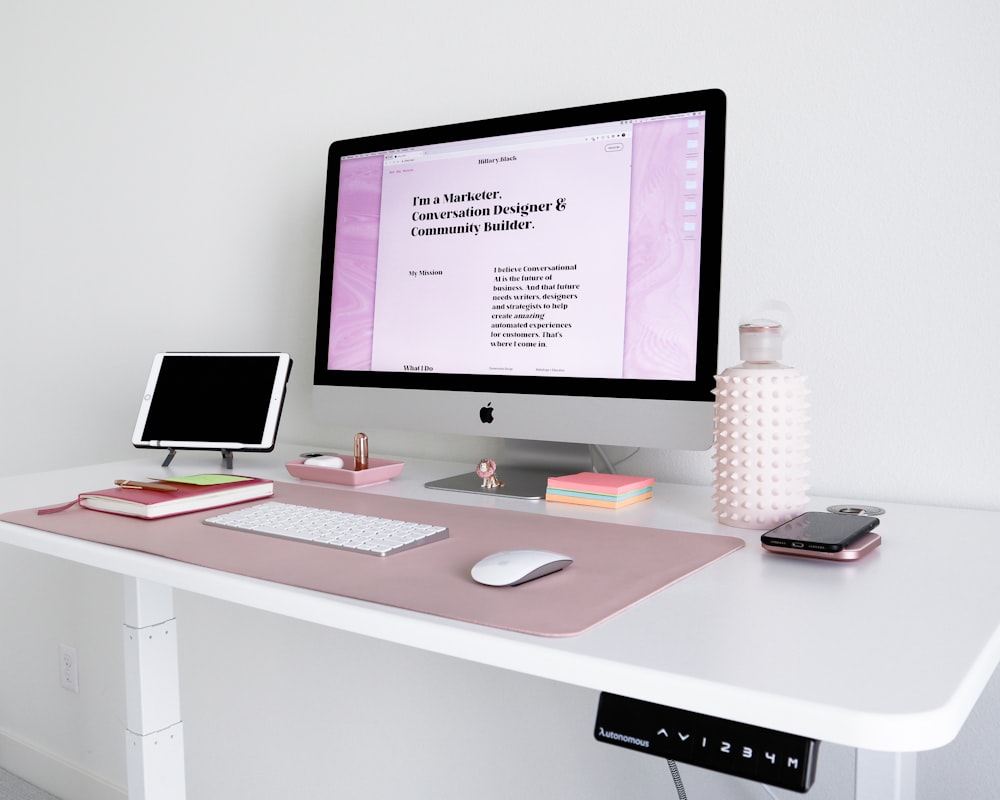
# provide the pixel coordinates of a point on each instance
(599, 489)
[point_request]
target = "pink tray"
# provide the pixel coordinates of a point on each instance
(379, 470)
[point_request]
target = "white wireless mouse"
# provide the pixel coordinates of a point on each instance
(512, 567)
(334, 462)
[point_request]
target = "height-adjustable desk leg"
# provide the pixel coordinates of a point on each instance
(885, 776)
(154, 735)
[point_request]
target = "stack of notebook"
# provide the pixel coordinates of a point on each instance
(599, 489)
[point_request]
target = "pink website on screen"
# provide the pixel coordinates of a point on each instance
(557, 253)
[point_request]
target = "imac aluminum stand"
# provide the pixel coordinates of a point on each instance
(524, 469)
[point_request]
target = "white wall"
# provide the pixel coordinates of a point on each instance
(161, 187)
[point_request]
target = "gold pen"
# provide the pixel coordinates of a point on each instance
(156, 487)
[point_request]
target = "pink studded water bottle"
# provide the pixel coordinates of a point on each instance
(761, 434)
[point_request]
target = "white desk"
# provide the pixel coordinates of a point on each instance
(887, 655)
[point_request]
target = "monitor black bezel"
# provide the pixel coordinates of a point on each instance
(711, 101)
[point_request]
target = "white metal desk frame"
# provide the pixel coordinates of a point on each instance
(886, 739)
(155, 740)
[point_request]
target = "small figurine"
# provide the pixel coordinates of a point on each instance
(487, 470)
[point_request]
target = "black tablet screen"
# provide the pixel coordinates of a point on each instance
(211, 398)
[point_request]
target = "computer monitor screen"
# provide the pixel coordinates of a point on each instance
(549, 277)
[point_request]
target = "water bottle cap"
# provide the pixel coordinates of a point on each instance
(760, 341)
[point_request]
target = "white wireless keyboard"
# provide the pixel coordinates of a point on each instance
(356, 532)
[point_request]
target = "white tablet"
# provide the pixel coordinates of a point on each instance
(213, 401)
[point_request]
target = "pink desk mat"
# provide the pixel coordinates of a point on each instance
(615, 565)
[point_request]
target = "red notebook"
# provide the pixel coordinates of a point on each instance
(184, 495)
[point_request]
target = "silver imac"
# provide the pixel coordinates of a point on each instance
(549, 278)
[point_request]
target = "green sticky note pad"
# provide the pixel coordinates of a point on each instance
(209, 480)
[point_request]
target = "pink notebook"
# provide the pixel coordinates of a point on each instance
(615, 566)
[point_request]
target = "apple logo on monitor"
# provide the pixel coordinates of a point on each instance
(486, 413)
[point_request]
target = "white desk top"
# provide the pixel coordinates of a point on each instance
(889, 653)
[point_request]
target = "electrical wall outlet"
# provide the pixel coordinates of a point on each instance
(68, 676)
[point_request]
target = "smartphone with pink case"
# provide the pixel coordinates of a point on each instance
(851, 552)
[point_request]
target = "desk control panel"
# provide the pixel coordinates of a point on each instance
(746, 751)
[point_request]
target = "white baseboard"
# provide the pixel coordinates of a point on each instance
(53, 774)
